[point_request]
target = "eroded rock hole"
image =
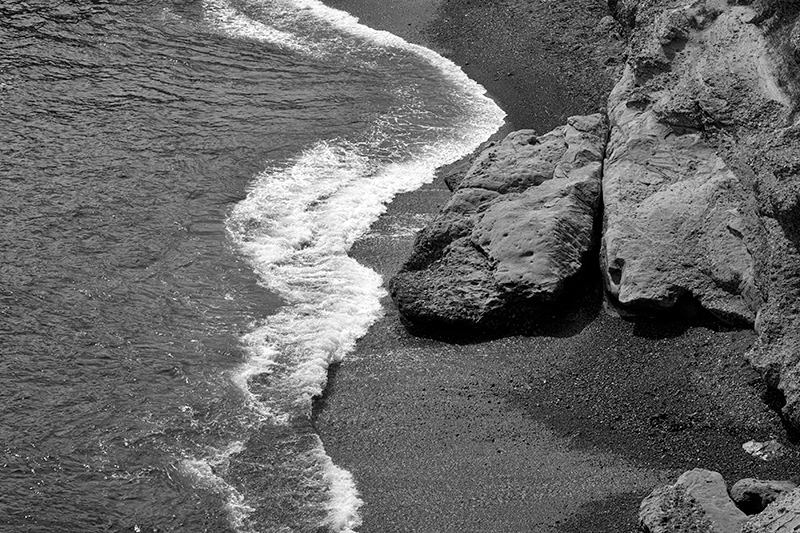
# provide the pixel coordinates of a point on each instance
(615, 271)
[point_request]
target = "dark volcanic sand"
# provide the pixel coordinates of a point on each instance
(564, 431)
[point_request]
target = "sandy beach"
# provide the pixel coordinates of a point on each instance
(563, 431)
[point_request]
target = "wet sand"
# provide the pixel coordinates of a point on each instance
(563, 431)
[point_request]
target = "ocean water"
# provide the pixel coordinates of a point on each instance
(180, 182)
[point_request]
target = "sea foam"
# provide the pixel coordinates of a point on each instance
(301, 216)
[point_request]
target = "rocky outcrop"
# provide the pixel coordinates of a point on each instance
(701, 191)
(753, 495)
(702, 176)
(514, 234)
(697, 502)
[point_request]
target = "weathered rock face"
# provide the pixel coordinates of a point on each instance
(702, 184)
(679, 221)
(753, 495)
(514, 233)
(781, 516)
(698, 502)
(676, 218)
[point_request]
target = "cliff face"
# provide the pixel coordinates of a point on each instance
(703, 165)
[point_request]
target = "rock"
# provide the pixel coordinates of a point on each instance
(753, 495)
(453, 173)
(781, 516)
(681, 221)
(676, 223)
(698, 502)
(766, 451)
(514, 233)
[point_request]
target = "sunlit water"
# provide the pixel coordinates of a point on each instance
(179, 185)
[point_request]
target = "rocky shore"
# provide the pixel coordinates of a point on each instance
(676, 206)
(700, 193)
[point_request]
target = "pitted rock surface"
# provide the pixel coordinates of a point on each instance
(708, 103)
(516, 230)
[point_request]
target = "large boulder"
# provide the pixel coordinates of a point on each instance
(514, 234)
(781, 516)
(697, 502)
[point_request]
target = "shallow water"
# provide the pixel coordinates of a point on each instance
(181, 182)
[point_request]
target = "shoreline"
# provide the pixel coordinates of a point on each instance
(566, 431)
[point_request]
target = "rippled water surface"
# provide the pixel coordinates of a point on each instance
(179, 185)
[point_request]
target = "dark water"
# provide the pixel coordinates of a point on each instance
(179, 185)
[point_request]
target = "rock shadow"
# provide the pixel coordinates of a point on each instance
(613, 514)
(652, 323)
(577, 307)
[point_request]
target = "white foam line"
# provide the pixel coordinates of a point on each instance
(298, 222)
(296, 225)
(350, 24)
(228, 19)
(344, 501)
